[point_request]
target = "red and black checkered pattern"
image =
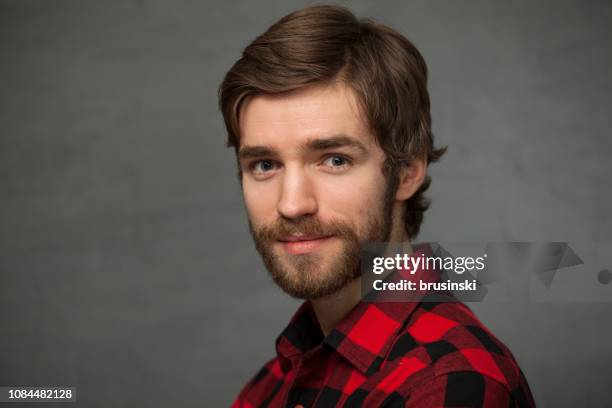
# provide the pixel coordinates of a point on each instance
(411, 354)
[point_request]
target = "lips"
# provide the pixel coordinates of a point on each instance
(298, 238)
(303, 244)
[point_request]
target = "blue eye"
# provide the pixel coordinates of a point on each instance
(262, 166)
(336, 161)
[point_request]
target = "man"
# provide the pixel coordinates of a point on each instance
(329, 117)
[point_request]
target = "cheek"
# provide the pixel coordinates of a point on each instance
(259, 200)
(355, 198)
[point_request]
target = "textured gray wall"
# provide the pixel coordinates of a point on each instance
(126, 267)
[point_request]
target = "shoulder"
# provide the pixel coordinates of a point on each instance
(260, 384)
(459, 352)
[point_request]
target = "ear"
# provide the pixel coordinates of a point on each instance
(410, 179)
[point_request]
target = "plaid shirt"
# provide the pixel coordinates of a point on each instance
(389, 354)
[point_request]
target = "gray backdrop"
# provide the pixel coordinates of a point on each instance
(126, 267)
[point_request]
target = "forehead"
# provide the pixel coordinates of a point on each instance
(305, 114)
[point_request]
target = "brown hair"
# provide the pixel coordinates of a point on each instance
(323, 43)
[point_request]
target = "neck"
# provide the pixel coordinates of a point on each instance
(331, 309)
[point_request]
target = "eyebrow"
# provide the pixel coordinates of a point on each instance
(333, 142)
(253, 152)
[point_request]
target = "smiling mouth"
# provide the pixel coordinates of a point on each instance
(303, 244)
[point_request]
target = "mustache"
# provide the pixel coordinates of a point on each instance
(305, 226)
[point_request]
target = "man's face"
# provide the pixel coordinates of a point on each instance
(313, 187)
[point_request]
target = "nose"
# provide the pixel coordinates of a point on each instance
(297, 196)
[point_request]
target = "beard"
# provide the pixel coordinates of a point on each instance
(308, 276)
